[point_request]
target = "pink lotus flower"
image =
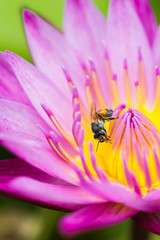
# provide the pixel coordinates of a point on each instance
(111, 64)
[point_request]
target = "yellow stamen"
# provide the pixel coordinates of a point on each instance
(56, 150)
(89, 96)
(70, 84)
(157, 101)
(142, 81)
(109, 72)
(115, 93)
(61, 130)
(127, 87)
(97, 91)
(109, 76)
(83, 109)
(138, 95)
(68, 157)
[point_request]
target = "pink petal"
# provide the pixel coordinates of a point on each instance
(83, 21)
(95, 216)
(38, 153)
(9, 85)
(147, 206)
(40, 90)
(153, 195)
(84, 28)
(149, 203)
(13, 168)
(17, 117)
(156, 48)
(105, 191)
(50, 51)
(147, 17)
(47, 194)
(149, 221)
(125, 34)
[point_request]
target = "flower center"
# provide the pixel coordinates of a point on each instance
(134, 149)
(132, 157)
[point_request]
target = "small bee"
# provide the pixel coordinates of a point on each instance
(97, 123)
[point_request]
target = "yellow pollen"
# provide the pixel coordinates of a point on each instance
(130, 130)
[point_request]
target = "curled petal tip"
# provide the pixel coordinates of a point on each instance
(42, 130)
(157, 71)
(90, 145)
(74, 92)
(64, 69)
(76, 107)
(125, 65)
(66, 74)
(92, 66)
(82, 64)
(77, 118)
(139, 53)
(130, 110)
(46, 109)
(87, 83)
(136, 82)
(114, 77)
(122, 105)
(54, 137)
(81, 136)
(106, 55)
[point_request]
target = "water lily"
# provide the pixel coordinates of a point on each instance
(45, 116)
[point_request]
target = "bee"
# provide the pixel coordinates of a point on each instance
(98, 119)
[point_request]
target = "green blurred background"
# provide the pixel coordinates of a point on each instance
(23, 221)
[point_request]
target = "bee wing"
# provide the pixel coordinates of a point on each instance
(93, 112)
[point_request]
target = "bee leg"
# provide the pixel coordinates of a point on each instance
(97, 146)
(100, 141)
(100, 116)
(109, 118)
(109, 139)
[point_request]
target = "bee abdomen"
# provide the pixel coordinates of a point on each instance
(100, 135)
